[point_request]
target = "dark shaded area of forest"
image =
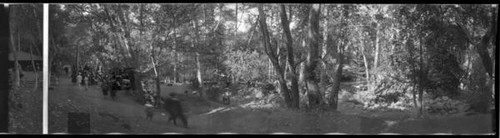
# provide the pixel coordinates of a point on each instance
(25, 68)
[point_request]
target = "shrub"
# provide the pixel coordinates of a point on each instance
(246, 65)
(365, 97)
(478, 100)
(214, 93)
(444, 105)
(194, 84)
(267, 88)
(389, 100)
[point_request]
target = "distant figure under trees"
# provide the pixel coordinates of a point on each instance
(115, 86)
(106, 88)
(79, 80)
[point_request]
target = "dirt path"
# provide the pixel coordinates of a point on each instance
(127, 116)
(107, 116)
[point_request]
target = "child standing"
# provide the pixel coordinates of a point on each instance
(149, 111)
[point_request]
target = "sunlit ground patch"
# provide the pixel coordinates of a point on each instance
(255, 104)
(220, 109)
(390, 123)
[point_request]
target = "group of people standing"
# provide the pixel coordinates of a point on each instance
(110, 85)
(86, 73)
(84, 78)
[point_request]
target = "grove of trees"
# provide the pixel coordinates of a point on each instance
(25, 95)
(398, 53)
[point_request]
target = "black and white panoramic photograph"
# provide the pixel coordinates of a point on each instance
(21, 68)
(255, 68)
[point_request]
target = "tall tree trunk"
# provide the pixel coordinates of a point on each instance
(268, 47)
(34, 69)
(482, 49)
(197, 58)
(52, 54)
(375, 61)
(488, 62)
(278, 51)
(235, 25)
(338, 61)
(365, 61)
(17, 78)
(495, 38)
(157, 77)
(269, 70)
(77, 58)
(324, 52)
(294, 91)
(153, 58)
(39, 35)
(174, 49)
(252, 29)
(421, 81)
(119, 31)
(336, 80)
(18, 67)
(414, 93)
(377, 47)
(302, 70)
(13, 46)
(199, 76)
(124, 31)
(313, 57)
(287, 69)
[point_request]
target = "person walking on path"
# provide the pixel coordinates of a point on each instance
(86, 81)
(173, 106)
(115, 86)
(105, 88)
(79, 80)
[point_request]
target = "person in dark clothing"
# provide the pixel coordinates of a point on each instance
(174, 108)
(105, 88)
(115, 86)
